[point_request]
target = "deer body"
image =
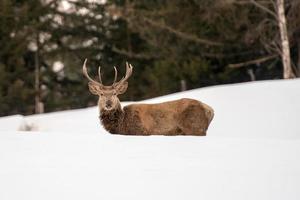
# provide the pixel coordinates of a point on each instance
(179, 117)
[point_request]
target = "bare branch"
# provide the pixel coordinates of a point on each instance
(274, 4)
(277, 46)
(259, 5)
(182, 35)
(134, 55)
(251, 62)
(295, 69)
(264, 8)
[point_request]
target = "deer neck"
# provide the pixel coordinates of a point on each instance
(112, 120)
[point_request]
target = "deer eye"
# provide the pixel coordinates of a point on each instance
(114, 93)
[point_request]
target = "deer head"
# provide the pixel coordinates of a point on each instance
(108, 95)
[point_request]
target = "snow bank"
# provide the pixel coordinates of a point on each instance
(11, 123)
(85, 120)
(265, 109)
(64, 165)
(251, 152)
(73, 120)
(268, 109)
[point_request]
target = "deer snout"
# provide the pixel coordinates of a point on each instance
(109, 104)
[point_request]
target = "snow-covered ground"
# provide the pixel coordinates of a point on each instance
(251, 152)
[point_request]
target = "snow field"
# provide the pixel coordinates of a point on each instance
(251, 152)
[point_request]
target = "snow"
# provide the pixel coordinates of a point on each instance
(11, 123)
(251, 152)
(265, 109)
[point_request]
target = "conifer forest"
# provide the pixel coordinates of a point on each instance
(173, 45)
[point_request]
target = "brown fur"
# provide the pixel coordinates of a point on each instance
(179, 117)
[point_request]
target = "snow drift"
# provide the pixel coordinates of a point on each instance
(265, 109)
(251, 152)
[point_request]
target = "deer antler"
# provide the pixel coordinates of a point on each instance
(122, 81)
(84, 71)
(116, 75)
(129, 68)
(99, 74)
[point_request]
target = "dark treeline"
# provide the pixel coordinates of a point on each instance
(197, 42)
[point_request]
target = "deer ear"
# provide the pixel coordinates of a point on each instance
(94, 89)
(121, 89)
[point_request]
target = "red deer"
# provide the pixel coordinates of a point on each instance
(179, 117)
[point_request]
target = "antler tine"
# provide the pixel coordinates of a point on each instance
(116, 75)
(128, 71)
(99, 74)
(85, 73)
(129, 68)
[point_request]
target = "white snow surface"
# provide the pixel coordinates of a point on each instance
(11, 123)
(251, 151)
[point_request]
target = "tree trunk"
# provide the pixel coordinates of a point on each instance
(298, 63)
(39, 106)
(37, 82)
(251, 74)
(183, 85)
(285, 54)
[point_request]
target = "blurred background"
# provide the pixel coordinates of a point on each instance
(173, 45)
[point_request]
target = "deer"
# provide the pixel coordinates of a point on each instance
(178, 117)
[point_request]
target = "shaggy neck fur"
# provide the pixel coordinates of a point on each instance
(112, 120)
